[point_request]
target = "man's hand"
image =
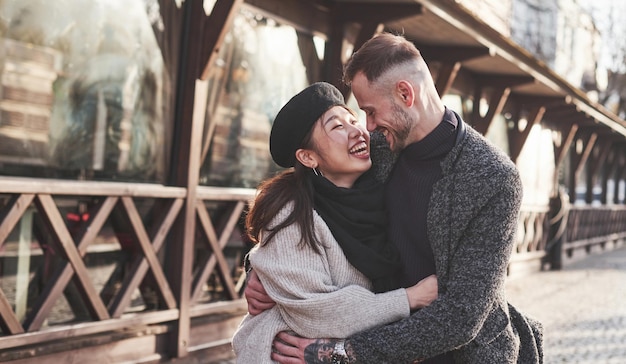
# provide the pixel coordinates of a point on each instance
(258, 299)
(423, 293)
(290, 349)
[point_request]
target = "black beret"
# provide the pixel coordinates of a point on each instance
(294, 121)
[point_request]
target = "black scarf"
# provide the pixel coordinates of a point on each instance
(357, 218)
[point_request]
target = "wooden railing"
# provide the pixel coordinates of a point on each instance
(531, 239)
(54, 235)
(588, 226)
(54, 232)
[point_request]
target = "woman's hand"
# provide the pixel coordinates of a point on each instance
(423, 293)
(258, 299)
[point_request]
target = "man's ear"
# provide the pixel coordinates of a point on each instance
(307, 157)
(406, 92)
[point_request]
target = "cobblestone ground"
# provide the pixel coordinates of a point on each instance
(582, 308)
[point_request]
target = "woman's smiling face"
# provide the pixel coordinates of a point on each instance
(341, 147)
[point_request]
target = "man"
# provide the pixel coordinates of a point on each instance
(453, 201)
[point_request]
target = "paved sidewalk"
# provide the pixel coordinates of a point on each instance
(582, 308)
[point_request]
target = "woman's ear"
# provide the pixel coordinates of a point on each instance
(307, 157)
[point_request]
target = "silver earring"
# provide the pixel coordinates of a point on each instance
(317, 171)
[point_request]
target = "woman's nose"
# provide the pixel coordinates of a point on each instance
(355, 130)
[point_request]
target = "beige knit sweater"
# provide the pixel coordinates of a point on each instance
(317, 295)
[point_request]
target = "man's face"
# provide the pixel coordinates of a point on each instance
(382, 113)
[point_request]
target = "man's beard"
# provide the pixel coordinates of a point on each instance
(402, 130)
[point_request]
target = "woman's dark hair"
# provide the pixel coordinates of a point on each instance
(274, 193)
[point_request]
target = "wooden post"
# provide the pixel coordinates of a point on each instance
(184, 172)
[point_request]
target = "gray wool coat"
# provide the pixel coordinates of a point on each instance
(472, 220)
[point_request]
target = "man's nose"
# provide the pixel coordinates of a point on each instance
(371, 125)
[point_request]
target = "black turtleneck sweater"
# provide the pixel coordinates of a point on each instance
(408, 193)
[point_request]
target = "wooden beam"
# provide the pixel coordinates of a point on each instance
(85, 329)
(141, 264)
(598, 161)
(620, 172)
(308, 54)
(591, 141)
(502, 81)
(561, 151)
(217, 245)
(8, 321)
(452, 54)
(366, 31)
(12, 213)
(368, 12)
(185, 164)
(61, 236)
(611, 164)
(517, 138)
(538, 100)
(333, 55)
(445, 76)
(306, 16)
(567, 116)
(595, 162)
(501, 88)
(214, 30)
(496, 103)
(64, 272)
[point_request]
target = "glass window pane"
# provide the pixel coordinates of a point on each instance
(258, 69)
(81, 90)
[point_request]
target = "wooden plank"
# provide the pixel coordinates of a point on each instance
(211, 235)
(215, 29)
(8, 321)
(496, 103)
(308, 16)
(184, 170)
(518, 139)
(561, 151)
(225, 193)
(84, 188)
(64, 272)
(13, 213)
(332, 71)
(217, 246)
(140, 266)
(87, 328)
(52, 217)
(368, 12)
(133, 345)
(239, 305)
(149, 254)
(584, 243)
(590, 143)
(446, 75)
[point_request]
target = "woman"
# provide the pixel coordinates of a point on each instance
(322, 250)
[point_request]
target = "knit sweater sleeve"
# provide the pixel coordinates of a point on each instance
(314, 294)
